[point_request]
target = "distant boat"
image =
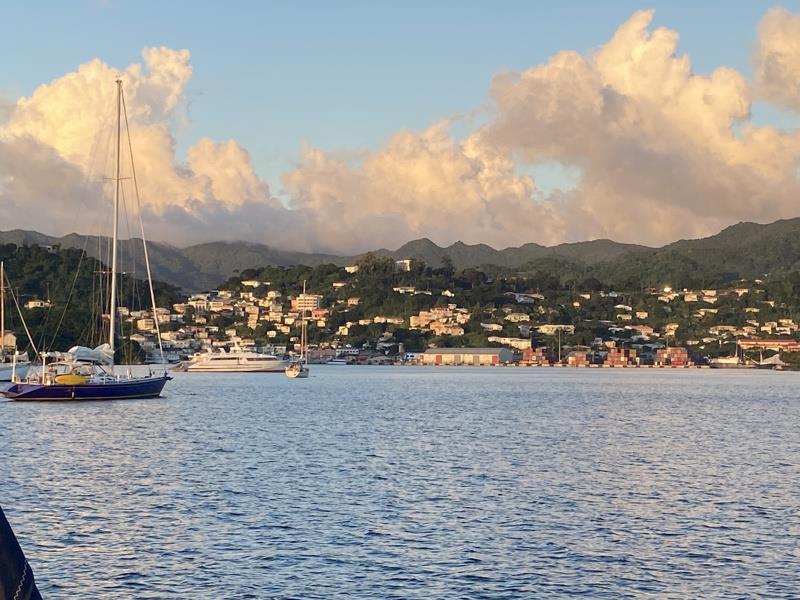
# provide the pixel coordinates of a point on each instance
(296, 370)
(299, 369)
(84, 373)
(773, 362)
(168, 358)
(236, 360)
(737, 361)
(729, 362)
(16, 363)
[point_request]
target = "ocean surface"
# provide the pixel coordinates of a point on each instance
(391, 482)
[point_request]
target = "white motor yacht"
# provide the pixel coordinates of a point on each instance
(236, 360)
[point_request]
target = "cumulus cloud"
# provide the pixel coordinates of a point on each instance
(656, 143)
(65, 128)
(777, 58)
(419, 184)
(662, 153)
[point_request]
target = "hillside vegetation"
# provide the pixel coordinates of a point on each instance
(746, 250)
(75, 285)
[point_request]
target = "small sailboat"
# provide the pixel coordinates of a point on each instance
(15, 363)
(84, 373)
(299, 369)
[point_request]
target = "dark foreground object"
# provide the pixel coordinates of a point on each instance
(16, 576)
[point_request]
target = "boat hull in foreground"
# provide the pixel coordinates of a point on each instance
(127, 389)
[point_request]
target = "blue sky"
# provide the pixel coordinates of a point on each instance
(345, 75)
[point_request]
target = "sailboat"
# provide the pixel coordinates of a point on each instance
(84, 373)
(14, 364)
(299, 369)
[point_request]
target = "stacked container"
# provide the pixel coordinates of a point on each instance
(578, 359)
(620, 357)
(674, 357)
(535, 357)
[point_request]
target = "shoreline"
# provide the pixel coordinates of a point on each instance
(560, 366)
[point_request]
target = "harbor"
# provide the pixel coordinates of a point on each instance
(399, 301)
(419, 481)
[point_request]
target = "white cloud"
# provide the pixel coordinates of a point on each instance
(655, 142)
(70, 123)
(419, 184)
(777, 58)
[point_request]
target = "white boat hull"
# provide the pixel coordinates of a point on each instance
(296, 371)
(235, 361)
(6, 370)
(273, 367)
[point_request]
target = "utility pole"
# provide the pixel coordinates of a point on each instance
(559, 344)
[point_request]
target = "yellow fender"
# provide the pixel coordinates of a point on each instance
(71, 379)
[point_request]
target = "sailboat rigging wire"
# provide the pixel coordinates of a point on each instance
(42, 325)
(69, 295)
(134, 287)
(141, 226)
(22, 318)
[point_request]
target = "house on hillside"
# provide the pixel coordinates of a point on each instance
(404, 264)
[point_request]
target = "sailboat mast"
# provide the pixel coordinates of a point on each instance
(113, 308)
(2, 310)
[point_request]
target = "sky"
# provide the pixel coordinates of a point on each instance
(355, 125)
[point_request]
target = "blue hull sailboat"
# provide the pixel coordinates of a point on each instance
(88, 373)
(122, 389)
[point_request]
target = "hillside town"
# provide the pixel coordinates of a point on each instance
(466, 322)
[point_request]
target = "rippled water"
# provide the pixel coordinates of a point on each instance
(371, 482)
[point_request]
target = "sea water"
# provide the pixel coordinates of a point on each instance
(402, 482)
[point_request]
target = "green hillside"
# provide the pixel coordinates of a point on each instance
(745, 250)
(75, 285)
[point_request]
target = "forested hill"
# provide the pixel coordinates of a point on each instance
(740, 251)
(74, 284)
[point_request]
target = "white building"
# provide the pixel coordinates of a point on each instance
(553, 329)
(518, 343)
(37, 304)
(404, 264)
(307, 302)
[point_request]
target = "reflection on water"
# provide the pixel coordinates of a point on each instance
(414, 483)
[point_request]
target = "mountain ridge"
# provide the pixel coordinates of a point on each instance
(745, 248)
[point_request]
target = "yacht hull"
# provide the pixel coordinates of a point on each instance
(148, 387)
(273, 367)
